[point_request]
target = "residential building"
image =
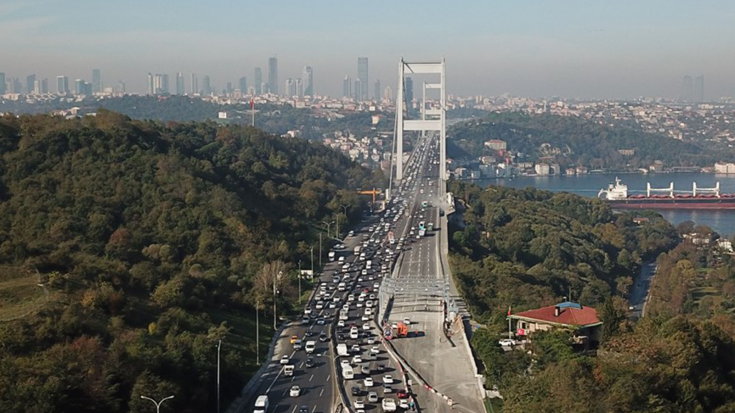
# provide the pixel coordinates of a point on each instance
(194, 84)
(273, 75)
(542, 169)
(299, 87)
(347, 87)
(30, 80)
(62, 85)
(180, 88)
(2, 83)
(290, 89)
(496, 144)
(376, 96)
(724, 168)
(243, 83)
(206, 85)
(582, 320)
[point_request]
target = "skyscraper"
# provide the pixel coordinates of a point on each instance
(377, 90)
(2, 83)
(258, 81)
(194, 84)
(347, 87)
(30, 80)
(180, 88)
(357, 90)
(151, 87)
(289, 88)
(62, 85)
(206, 86)
(299, 87)
(244, 85)
(409, 92)
(699, 89)
(388, 93)
(79, 87)
(44, 85)
(273, 75)
(308, 79)
(96, 81)
(687, 91)
(362, 74)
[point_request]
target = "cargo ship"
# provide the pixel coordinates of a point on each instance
(616, 195)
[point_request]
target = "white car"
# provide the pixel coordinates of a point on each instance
(341, 323)
(388, 379)
(366, 327)
(285, 359)
(375, 350)
(369, 382)
(344, 363)
(507, 342)
(295, 391)
(357, 359)
(359, 404)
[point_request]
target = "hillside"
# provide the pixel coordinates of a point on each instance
(574, 141)
(151, 240)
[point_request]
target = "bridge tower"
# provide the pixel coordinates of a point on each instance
(431, 119)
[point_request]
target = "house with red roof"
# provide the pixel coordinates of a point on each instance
(568, 315)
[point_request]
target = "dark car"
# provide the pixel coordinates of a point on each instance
(309, 333)
(355, 391)
(309, 362)
(304, 409)
(341, 336)
(323, 337)
(381, 368)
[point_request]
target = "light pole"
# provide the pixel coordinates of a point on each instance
(344, 208)
(219, 345)
(300, 281)
(158, 404)
(312, 260)
(328, 224)
(320, 253)
(257, 333)
(275, 325)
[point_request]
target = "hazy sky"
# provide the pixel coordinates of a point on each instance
(588, 49)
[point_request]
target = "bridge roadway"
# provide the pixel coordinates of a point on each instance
(444, 364)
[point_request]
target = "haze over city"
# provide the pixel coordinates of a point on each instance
(571, 49)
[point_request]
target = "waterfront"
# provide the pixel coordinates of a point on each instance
(589, 185)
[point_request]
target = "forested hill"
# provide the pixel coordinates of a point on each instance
(575, 141)
(147, 237)
(529, 248)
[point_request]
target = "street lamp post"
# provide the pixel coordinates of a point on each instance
(344, 208)
(312, 260)
(275, 324)
(257, 333)
(300, 281)
(328, 224)
(320, 253)
(158, 404)
(219, 345)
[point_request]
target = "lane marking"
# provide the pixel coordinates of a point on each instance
(320, 395)
(311, 378)
(328, 377)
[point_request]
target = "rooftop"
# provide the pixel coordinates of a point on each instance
(570, 314)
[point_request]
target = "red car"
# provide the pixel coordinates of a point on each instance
(402, 394)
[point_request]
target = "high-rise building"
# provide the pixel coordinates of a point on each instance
(96, 81)
(273, 75)
(180, 88)
(308, 79)
(30, 80)
(357, 90)
(362, 74)
(388, 93)
(289, 88)
(79, 87)
(36, 87)
(62, 85)
(44, 86)
(264, 88)
(699, 89)
(151, 87)
(299, 87)
(160, 84)
(258, 81)
(347, 87)
(687, 89)
(206, 85)
(376, 91)
(2, 83)
(409, 92)
(229, 89)
(194, 84)
(243, 84)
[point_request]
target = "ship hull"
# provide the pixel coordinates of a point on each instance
(715, 204)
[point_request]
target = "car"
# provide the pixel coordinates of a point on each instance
(371, 340)
(388, 379)
(407, 321)
(293, 339)
(356, 391)
(373, 397)
(351, 233)
(359, 404)
(402, 394)
(381, 368)
(366, 327)
(304, 409)
(507, 342)
(344, 363)
(355, 348)
(333, 305)
(356, 359)
(295, 391)
(309, 362)
(365, 317)
(375, 350)
(285, 359)
(305, 320)
(387, 388)
(369, 382)
(365, 369)
(341, 323)
(307, 310)
(323, 337)
(403, 403)
(309, 332)
(320, 321)
(359, 304)
(341, 336)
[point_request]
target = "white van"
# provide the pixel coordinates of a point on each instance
(348, 372)
(261, 404)
(310, 346)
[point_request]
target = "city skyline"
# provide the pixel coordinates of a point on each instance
(619, 51)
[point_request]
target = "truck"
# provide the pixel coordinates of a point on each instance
(342, 350)
(389, 405)
(310, 346)
(401, 329)
(348, 372)
(261, 404)
(288, 370)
